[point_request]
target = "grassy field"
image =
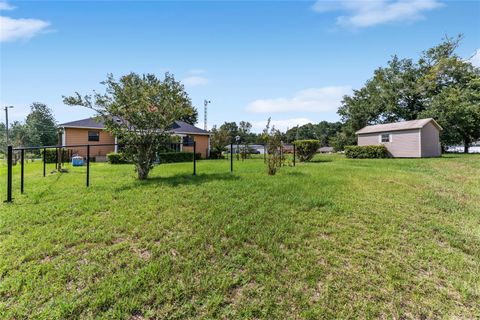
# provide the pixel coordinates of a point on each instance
(334, 238)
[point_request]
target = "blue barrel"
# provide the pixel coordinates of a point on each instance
(77, 161)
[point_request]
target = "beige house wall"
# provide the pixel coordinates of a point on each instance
(79, 136)
(76, 136)
(202, 143)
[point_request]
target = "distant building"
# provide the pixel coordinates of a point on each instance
(413, 139)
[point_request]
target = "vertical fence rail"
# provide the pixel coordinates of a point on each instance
(264, 154)
(231, 157)
(194, 158)
(88, 165)
(9, 173)
(44, 161)
(22, 169)
(294, 154)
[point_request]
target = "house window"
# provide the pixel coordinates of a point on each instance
(93, 136)
(385, 137)
(187, 141)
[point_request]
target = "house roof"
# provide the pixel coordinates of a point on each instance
(397, 126)
(179, 127)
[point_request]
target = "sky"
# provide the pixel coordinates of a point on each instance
(288, 60)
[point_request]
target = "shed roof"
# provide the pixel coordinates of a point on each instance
(397, 126)
(180, 127)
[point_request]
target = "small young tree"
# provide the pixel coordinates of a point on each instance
(219, 139)
(306, 149)
(273, 141)
(139, 110)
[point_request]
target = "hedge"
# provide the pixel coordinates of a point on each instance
(50, 155)
(306, 149)
(366, 152)
(169, 157)
(116, 158)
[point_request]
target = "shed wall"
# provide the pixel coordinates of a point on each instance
(431, 141)
(405, 143)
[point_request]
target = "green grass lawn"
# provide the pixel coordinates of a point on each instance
(335, 238)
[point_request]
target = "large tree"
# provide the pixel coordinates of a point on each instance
(40, 125)
(439, 85)
(139, 110)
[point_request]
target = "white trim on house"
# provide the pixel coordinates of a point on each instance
(116, 146)
(64, 137)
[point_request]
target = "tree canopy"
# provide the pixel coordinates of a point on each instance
(139, 110)
(439, 84)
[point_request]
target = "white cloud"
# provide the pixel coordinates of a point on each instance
(16, 29)
(475, 59)
(5, 6)
(310, 100)
(195, 81)
(368, 13)
(282, 125)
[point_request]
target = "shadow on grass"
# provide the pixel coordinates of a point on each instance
(180, 179)
(320, 160)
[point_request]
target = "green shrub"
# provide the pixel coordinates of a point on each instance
(169, 157)
(50, 155)
(366, 152)
(116, 158)
(216, 154)
(306, 149)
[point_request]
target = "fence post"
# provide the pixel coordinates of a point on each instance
(22, 159)
(294, 154)
(88, 165)
(264, 153)
(56, 158)
(231, 157)
(9, 173)
(44, 161)
(194, 158)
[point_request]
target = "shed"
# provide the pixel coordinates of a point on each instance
(408, 139)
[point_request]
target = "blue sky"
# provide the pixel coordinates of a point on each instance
(292, 61)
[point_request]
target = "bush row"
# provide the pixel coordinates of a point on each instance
(116, 158)
(169, 157)
(366, 152)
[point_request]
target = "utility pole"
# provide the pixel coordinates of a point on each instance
(205, 103)
(6, 123)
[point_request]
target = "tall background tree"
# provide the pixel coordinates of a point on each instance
(139, 110)
(323, 131)
(41, 126)
(39, 129)
(440, 85)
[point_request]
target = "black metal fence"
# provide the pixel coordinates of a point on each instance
(59, 159)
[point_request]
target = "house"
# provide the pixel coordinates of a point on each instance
(413, 139)
(92, 131)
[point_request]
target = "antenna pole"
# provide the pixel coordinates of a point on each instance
(205, 104)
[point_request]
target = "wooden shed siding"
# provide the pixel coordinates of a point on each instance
(431, 141)
(202, 145)
(405, 143)
(75, 136)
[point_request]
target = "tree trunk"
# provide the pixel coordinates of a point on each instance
(466, 145)
(143, 165)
